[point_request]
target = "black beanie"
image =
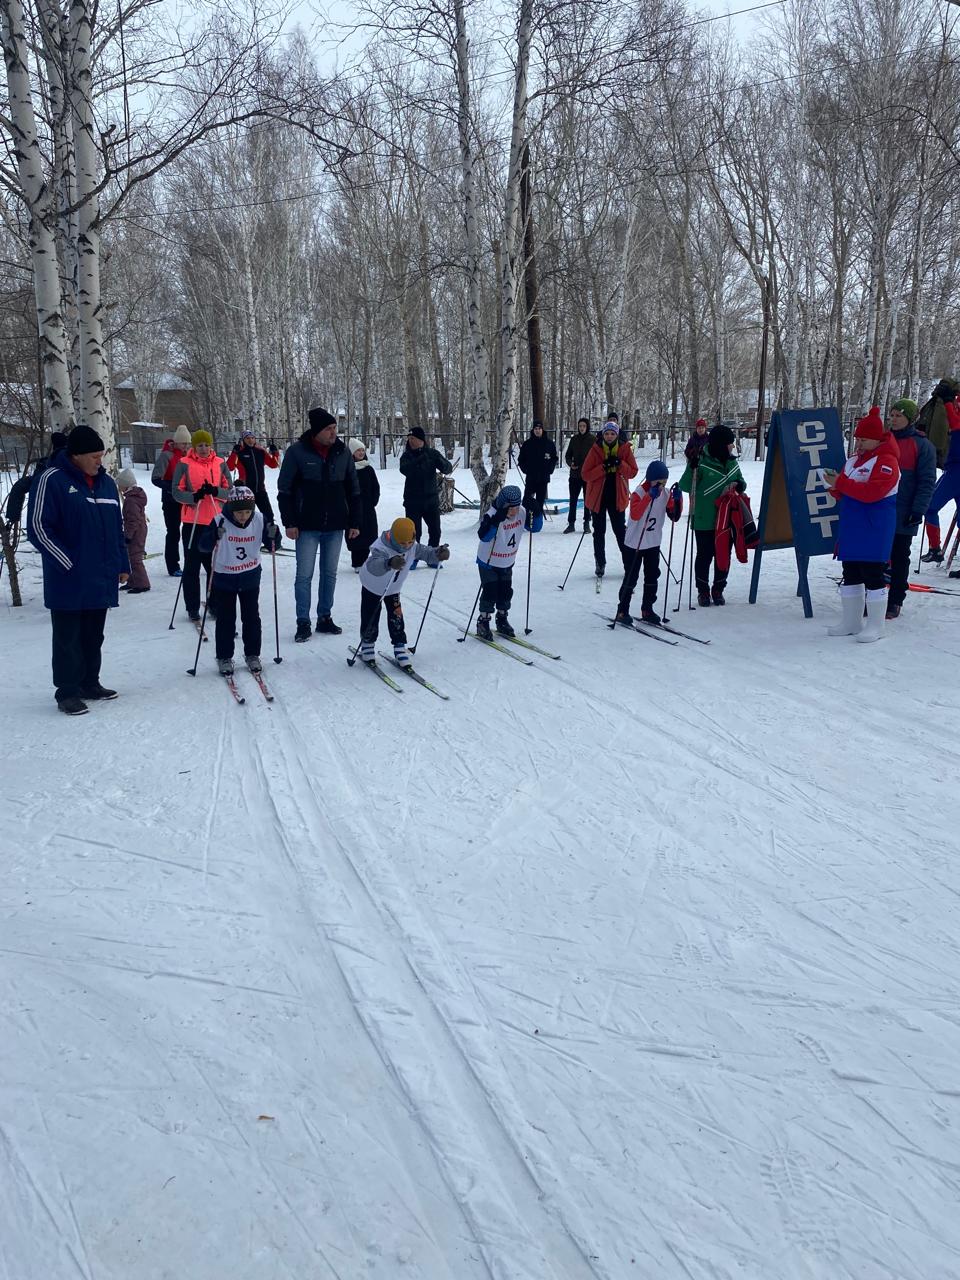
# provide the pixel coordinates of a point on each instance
(58, 440)
(318, 419)
(419, 433)
(83, 439)
(718, 442)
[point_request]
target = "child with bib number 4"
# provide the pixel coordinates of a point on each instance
(650, 504)
(501, 533)
(239, 535)
(382, 575)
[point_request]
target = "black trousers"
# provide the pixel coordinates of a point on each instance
(77, 642)
(535, 493)
(171, 545)
(252, 633)
(370, 604)
(618, 523)
(899, 567)
(706, 551)
(576, 488)
(870, 572)
(496, 588)
(649, 561)
(193, 558)
(432, 516)
(359, 549)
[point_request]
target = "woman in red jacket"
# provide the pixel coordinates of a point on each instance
(201, 483)
(607, 472)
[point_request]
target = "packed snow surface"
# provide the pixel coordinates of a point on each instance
(639, 963)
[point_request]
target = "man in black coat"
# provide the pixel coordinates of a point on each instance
(421, 498)
(319, 498)
(537, 460)
(578, 447)
(918, 478)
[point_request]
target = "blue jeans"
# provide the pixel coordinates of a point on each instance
(308, 543)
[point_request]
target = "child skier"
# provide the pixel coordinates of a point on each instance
(867, 488)
(382, 576)
(501, 533)
(235, 541)
(650, 503)
(134, 531)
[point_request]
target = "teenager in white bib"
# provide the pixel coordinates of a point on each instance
(502, 530)
(239, 534)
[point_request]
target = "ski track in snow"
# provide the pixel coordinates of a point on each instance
(644, 962)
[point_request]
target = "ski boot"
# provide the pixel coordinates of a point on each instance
(954, 573)
(368, 651)
(933, 556)
(303, 631)
(716, 596)
(624, 617)
(650, 616)
(703, 599)
(326, 626)
(401, 655)
(254, 665)
(571, 528)
(483, 627)
(225, 666)
(503, 626)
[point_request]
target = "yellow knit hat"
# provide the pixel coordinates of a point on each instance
(403, 531)
(201, 436)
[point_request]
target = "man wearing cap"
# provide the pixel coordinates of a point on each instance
(319, 498)
(250, 461)
(537, 460)
(420, 465)
(166, 464)
(74, 522)
(201, 483)
(918, 478)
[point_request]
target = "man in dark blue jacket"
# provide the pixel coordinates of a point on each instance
(918, 477)
(74, 521)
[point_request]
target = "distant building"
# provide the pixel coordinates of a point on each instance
(175, 403)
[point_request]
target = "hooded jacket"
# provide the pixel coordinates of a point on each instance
(166, 465)
(250, 461)
(867, 489)
(78, 530)
(918, 477)
(713, 476)
(135, 520)
(375, 571)
(190, 474)
(578, 447)
(317, 493)
(594, 474)
(537, 458)
(420, 467)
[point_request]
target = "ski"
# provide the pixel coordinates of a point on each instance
(492, 644)
(197, 624)
(231, 683)
(544, 653)
(262, 685)
(933, 591)
(379, 671)
(640, 630)
(667, 626)
(415, 675)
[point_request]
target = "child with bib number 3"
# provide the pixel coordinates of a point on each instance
(237, 538)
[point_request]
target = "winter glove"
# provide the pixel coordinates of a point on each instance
(205, 491)
(611, 466)
(443, 553)
(915, 517)
(675, 502)
(693, 461)
(499, 515)
(396, 563)
(741, 486)
(272, 446)
(271, 537)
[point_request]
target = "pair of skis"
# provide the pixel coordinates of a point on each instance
(231, 683)
(653, 630)
(388, 680)
(501, 643)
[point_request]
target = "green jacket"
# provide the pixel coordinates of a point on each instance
(712, 478)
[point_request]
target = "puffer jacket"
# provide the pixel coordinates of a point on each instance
(918, 477)
(78, 530)
(317, 493)
(135, 520)
(166, 465)
(594, 474)
(190, 474)
(867, 489)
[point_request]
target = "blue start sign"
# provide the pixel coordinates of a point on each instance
(796, 509)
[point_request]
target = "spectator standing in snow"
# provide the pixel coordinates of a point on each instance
(359, 546)
(172, 453)
(134, 502)
(867, 489)
(250, 461)
(918, 476)
(20, 488)
(201, 483)
(698, 440)
(578, 447)
(717, 471)
(607, 472)
(74, 522)
(420, 465)
(537, 460)
(319, 497)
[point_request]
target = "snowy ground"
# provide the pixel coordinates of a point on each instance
(642, 963)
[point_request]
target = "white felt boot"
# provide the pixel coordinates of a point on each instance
(851, 602)
(876, 617)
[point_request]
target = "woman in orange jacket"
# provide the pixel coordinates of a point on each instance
(201, 483)
(607, 472)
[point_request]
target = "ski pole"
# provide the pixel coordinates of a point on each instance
(464, 496)
(666, 561)
(193, 530)
(560, 586)
(526, 627)
(686, 540)
(693, 499)
(923, 534)
(276, 612)
(666, 589)
(192, 671)
(953, 552)
(460, 639)
(426, 610)
(391, 577)
(946, 541)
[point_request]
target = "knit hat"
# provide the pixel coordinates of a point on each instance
(909, 408)
(126, 479)
(201, 436)
(419, 433)
(318, 419)
(58, 440)
(871, 427)
(719, 440)
(403, 531)
(83, 439)
(353, 444)
(182, 436)
(509, 496)
(240, 498)
(536, 423)
(611, 425)
(657, 471)
(700, 422)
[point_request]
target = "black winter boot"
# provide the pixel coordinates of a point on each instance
(72, 707)
(503, 626)
(304, 631)
(716, 594)
(483, 627)
(703, 599)
(326, 626)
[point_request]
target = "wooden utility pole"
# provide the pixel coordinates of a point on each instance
(531, 289)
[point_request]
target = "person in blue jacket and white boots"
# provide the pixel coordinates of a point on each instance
(75, 522)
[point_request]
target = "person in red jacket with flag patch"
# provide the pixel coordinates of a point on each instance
(867, 489)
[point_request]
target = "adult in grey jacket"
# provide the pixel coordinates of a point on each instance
(918, 477)
(319, 498)
(420, 465)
